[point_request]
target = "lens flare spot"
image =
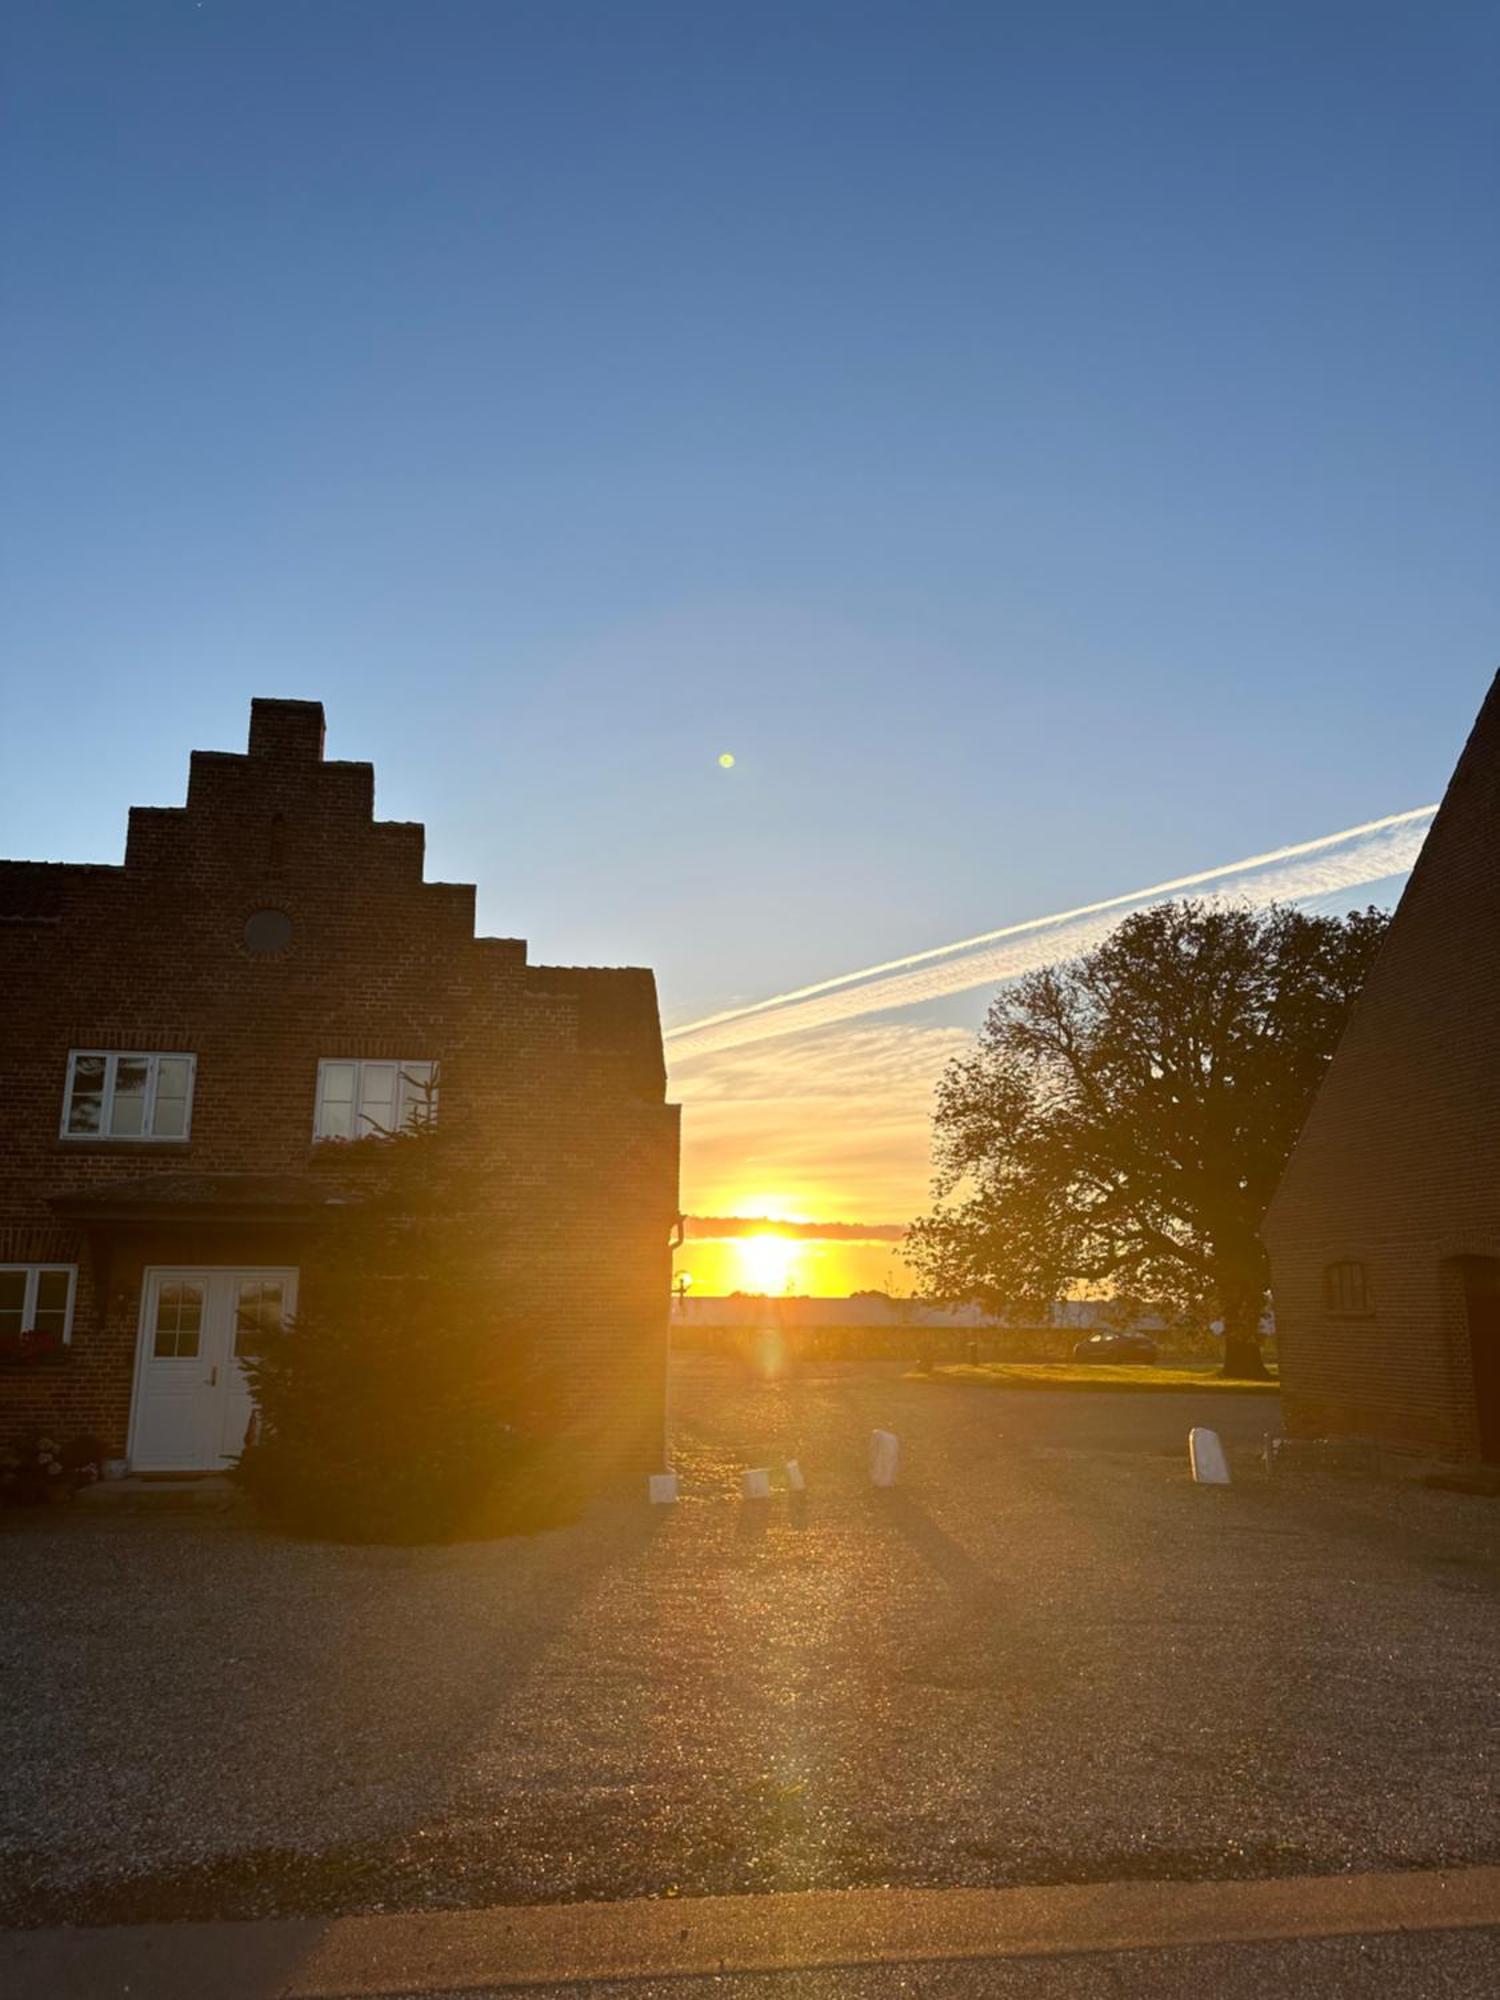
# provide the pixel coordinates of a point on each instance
(726, 760)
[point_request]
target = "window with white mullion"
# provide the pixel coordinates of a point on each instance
(379, 1090)
(171, 1096)
(37, 1299)
(127, 1094)
(361, 1100)
(130, 1097)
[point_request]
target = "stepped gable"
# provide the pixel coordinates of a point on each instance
(279, 947)
(616, 1012)
(280, 807)
(33, 892)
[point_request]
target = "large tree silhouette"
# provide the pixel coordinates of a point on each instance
(1122, 1121)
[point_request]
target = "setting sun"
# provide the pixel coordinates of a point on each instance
(768, 1263)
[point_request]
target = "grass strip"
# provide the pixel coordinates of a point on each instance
(1140, 1377)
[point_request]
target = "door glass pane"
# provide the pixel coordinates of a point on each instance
(169, 1120)
(86, 1104)
(179, 1322)
(257, 1311)
(377, 1098)
(52, 1289)
(336, 1101)
(127, 1119)
(12, 1301)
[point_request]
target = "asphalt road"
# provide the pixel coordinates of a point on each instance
(1410, 1932)
(1461, 1965)
(1044, 1657)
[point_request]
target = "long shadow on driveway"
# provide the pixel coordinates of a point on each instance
(200, 1718)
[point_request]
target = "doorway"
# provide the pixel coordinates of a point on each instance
(192, 1404)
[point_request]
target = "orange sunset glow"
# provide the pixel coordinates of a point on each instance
(737, 1254)
(822, 1138)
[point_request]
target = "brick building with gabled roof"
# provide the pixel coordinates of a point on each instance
(186, 1038)
(1384, 1234)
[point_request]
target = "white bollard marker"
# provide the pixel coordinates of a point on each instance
(1206, 1454)
(758, 1484)
(885, 1451)
(795, 1483)
(662, 1487)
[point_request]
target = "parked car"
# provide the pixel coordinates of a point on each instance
(1112, 1346)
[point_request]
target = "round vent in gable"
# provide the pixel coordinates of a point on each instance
(267, 933)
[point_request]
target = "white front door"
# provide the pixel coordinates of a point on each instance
(192, 1403)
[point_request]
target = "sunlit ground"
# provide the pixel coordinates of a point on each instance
(1045, 1656)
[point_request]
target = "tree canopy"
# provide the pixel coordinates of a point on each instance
(1121, 1124)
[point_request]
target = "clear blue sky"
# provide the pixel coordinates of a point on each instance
(1051, 446)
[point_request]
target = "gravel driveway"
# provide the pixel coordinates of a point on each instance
(1044, 1656)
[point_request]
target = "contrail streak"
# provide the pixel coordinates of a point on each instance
(1359, 854)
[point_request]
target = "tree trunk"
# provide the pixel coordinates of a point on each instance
(1241, 1301)
(1242, 1356)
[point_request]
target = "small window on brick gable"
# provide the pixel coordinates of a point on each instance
(267, 933)
(1346, 1289)
(120, 1094)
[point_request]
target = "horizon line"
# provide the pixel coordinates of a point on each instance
(708, 1228)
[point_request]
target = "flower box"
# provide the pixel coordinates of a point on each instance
(30, 1347)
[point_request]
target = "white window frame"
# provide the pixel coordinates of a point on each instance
(34, 1274)
(359, 1064)
(112, 1058)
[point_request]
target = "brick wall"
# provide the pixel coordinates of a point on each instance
(555, 1077)
(1398, 1166)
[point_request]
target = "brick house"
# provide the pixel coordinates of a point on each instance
(1384, 1235)
(185, 1039)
